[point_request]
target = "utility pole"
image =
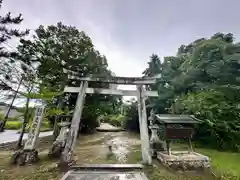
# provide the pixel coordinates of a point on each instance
(2, 125)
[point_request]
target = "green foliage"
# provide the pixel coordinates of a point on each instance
(6, 34)
(223, 163)
(203, 79)
(13, 125)
(220, 115)
(7, 64)
(131, 112)
(60, 51)
(16, 125)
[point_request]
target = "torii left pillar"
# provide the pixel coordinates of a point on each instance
(67, 154)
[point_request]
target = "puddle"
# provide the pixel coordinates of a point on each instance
(105, 145)
(121, 144)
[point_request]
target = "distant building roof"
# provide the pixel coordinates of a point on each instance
(177, 119)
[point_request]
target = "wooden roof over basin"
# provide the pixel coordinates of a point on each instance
(176, 119)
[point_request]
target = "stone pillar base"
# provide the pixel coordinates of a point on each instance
(23, 157)
(56, 150)
(66, 160)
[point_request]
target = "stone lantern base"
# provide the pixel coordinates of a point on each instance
(184, 160)
(22, 157)
(59, 144)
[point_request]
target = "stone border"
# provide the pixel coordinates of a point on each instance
(175, 162)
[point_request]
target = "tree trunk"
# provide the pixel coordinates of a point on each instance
(19, 143)
(3, 123)
(56, 118)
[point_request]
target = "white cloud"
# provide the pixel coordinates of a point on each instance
(36, 13)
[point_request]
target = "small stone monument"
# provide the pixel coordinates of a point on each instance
(59, 144)
(179, 127)
(29, 154)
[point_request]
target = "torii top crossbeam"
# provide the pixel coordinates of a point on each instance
(119, 80)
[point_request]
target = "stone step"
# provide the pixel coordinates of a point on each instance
(102, 167)
(104, 175)
(106, 172)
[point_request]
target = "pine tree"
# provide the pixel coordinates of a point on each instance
(8, 33)
(7, 63)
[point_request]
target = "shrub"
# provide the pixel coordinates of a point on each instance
(13, 125)
(131, 121)
(17, 125)
(220, 127)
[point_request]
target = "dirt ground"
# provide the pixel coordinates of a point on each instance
(93, 149)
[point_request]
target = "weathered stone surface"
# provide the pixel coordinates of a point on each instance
(106, 172)
(110, 91)
(67, 154)
(56, 150)
(184, 160)
(35, 129)
(59, 144)
(142, 114)
(29, 154)
(126, 167)
(24, 156)
(118, 80)
(155, 143)
(105, 176)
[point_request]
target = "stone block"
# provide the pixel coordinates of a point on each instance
(184, 160)
(23, 157)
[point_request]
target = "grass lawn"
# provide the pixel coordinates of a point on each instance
(225, 165)
(223, 162)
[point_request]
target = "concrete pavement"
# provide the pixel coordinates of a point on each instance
(9, 136)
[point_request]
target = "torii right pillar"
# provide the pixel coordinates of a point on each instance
(145, 147)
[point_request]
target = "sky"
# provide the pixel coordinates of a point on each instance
(127, 32)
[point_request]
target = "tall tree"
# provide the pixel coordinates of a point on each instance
(8, 66)
(204, 79)
(7, 33)
(60, 51)
(29, 83)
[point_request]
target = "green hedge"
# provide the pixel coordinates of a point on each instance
(220, 118)
(16, 125)
(13, 125)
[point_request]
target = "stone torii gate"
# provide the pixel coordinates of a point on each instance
(141, 93)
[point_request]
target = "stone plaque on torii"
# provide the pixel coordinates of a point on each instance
(141, 93)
